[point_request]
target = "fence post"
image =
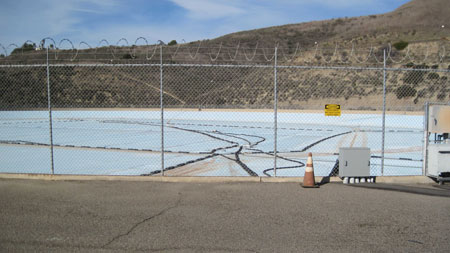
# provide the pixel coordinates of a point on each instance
(50, 115)
(425, 140)
(384, 113)
(161, 94)
(275, 108)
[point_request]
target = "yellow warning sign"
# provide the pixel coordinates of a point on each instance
(332, 110)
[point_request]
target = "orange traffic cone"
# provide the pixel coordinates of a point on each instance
(308, 179)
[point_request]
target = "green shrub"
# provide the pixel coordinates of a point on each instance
(433, 76)
(422, 93)
(25, 47)
(339, 21)
(405, 91)
(441, 95)
(400, 45)
(127, 56)
(172, 43)
(414, 77)
(421, 66)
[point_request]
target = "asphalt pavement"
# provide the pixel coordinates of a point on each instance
(105, 216)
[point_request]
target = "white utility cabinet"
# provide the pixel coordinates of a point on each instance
(354, 162)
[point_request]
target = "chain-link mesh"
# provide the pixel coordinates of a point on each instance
(407, 91)
(305, 128)
(24, 120)
(225, 113)
(96, 126)
(218, 115)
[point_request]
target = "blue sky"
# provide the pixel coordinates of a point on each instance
(94, 20)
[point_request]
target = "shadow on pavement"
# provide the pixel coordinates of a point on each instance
(325, 180)
(440, 191)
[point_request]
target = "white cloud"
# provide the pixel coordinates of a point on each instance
(209, 9)
(22, 20)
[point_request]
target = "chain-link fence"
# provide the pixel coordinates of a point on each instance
(215, 116)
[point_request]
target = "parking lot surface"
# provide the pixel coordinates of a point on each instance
(105, 216)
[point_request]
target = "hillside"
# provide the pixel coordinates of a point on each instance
(418, 20)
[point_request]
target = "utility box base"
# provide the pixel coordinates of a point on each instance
(354, 162)
(439, 161)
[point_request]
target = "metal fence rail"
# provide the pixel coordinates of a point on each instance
(172, 118)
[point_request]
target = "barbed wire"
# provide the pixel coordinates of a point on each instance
(78, 50)
(254, 53)
(233, 53)
(367, 58)
(196, 53)
(273, 56)
(213, 59)
(289, 59)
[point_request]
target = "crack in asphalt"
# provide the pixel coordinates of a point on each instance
(144, 221)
